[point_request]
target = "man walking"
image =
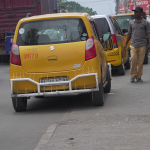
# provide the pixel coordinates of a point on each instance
(139, 30)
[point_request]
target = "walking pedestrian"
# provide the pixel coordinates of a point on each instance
(138, 31)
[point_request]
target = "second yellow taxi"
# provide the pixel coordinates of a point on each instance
(113, 40)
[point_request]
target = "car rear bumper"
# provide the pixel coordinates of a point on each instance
(115, 63)
(69, 91)
(114, 57)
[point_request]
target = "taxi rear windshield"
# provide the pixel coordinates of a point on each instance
(52, 32)
(123, 21)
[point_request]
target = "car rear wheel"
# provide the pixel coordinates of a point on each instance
(127, 64)
(98, 96)
(108, 80)
(121, 68)
(19, 104)
(146, 57)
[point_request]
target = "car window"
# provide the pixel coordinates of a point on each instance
(123, 21)
(102, 25)
(116, 26)
(94, 29)
(52, 32)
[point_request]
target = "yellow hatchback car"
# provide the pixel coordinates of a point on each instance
(113, 40)
(57, 54)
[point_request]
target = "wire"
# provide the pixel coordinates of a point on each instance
(94, 2)
(87, 3)
(99, 4)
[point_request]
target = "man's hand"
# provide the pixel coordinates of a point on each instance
(148, 35)
(126, 43)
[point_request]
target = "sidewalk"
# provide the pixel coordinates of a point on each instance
(120, 133)
(122, 124)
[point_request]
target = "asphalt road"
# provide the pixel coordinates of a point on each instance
(72, 123)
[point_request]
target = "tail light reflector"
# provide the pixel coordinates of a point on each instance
(90, 49)
(15, 55)
(114, 41)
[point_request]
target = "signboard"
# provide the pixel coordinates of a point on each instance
(121, 5)
(129, 5)
(144, 4)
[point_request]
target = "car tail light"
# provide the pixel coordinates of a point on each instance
(90, 49)
(114, 41)
(15, 55)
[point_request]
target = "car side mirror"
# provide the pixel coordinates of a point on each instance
(106, 37)
(124, 31)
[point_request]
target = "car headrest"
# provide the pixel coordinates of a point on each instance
(43, 38)
(75, 35)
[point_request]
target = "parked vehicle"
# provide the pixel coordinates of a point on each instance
(11, 11)
(57, 54)
(113, 40)
(123, 21)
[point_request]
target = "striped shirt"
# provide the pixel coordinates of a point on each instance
(138, 31)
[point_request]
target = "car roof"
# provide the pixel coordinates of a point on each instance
(57, 15)
(122, 15)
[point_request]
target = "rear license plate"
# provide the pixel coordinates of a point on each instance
(50, 80)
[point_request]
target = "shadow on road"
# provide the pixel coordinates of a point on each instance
(61, 104)
(4, 64)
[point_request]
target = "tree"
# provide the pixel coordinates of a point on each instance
(61, 6)
(73, 6)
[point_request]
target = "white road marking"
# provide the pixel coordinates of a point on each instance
(110, 93)
(45, 138)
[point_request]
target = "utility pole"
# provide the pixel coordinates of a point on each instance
(117, 6)
(149, 7)
(134, 4)
(125, 6)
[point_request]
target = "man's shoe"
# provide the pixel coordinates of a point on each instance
(139, 80)
(132, 80)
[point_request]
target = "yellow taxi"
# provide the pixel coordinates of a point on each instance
(123, 21)
(113, 40)
(56, 55)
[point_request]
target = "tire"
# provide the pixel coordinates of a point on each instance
(146, 57)
(121, 69)
(127, 64)
(39, 96)
(5, 58)
(19, 104)
(108, 80)
(98, 96)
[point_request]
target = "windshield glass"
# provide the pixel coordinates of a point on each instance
(52, 32)
(123, 21)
